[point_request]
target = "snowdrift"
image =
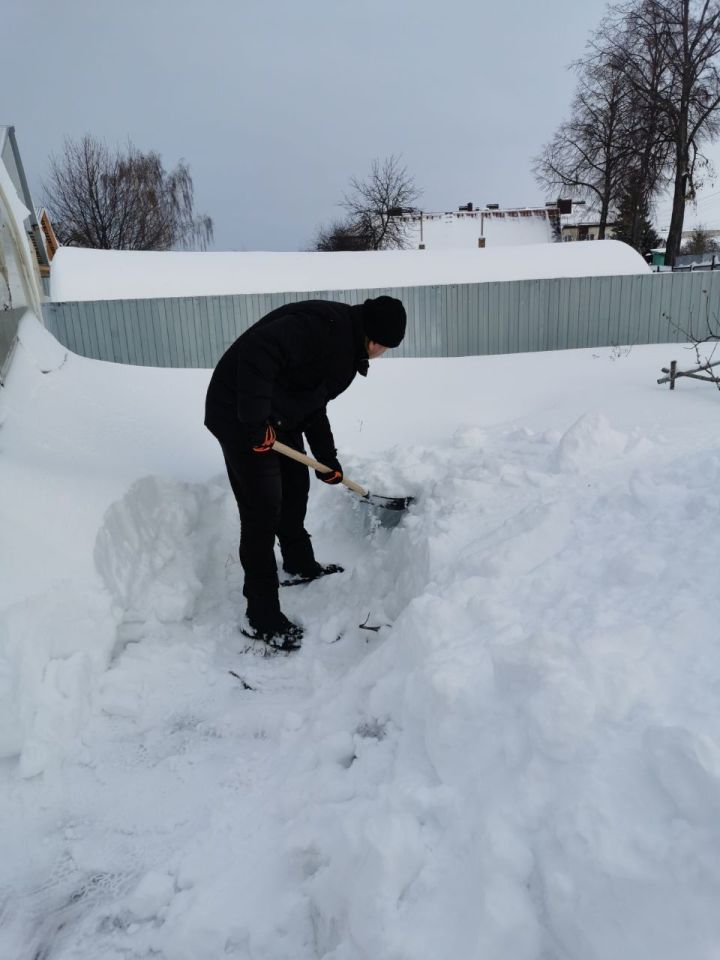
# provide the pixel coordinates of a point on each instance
(521, 761)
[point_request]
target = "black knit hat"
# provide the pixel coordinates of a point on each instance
(385, 320)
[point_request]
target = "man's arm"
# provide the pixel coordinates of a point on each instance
(319, 435)
(322, 443)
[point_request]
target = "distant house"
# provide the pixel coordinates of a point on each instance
(582, 224)
(472, 227)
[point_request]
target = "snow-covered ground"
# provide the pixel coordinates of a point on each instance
(522, 762)
(79, 274)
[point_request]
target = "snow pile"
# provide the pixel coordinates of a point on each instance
(519, 760)
(72, 576)
(141, 555)
(589, 442)
(115, 275)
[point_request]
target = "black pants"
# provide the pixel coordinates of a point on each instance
(271, 493)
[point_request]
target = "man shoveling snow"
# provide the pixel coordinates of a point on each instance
(274, 383)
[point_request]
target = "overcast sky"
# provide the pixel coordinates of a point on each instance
(274, 104)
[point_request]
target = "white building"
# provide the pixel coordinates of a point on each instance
(22, 252)
(493, 226)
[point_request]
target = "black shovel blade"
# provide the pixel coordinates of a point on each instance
(389, 503)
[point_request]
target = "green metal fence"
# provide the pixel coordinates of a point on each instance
(443, 321)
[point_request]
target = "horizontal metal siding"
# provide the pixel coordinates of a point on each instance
(9, 323)
(443, 321)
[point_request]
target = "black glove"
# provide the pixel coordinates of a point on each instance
(336, 474)
(260, 436)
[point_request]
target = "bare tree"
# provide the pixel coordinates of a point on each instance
(704, 335)
(587, 152)
(122, 200)
(341, 235)
(373, 205)
(619, 49)
(650, 87)
(687, 33)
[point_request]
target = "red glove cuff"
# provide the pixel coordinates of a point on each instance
(268, 441)
(334, 477)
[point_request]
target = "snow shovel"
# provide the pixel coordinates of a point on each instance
(374, 499)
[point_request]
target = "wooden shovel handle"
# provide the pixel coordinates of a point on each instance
(316, 465)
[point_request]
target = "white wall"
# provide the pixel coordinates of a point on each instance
(19, 282)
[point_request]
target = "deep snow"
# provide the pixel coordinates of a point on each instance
(524, 761)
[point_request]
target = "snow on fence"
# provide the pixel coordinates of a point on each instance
(448, 320)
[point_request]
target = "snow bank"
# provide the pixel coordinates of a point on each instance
(520, 760)
(71, 509)
(116, 275)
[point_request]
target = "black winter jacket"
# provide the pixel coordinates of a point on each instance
(284, 370)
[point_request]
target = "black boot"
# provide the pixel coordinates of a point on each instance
(308, 573)
(274, 629)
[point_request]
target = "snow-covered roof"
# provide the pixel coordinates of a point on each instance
(461, 230)
(80, 274)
